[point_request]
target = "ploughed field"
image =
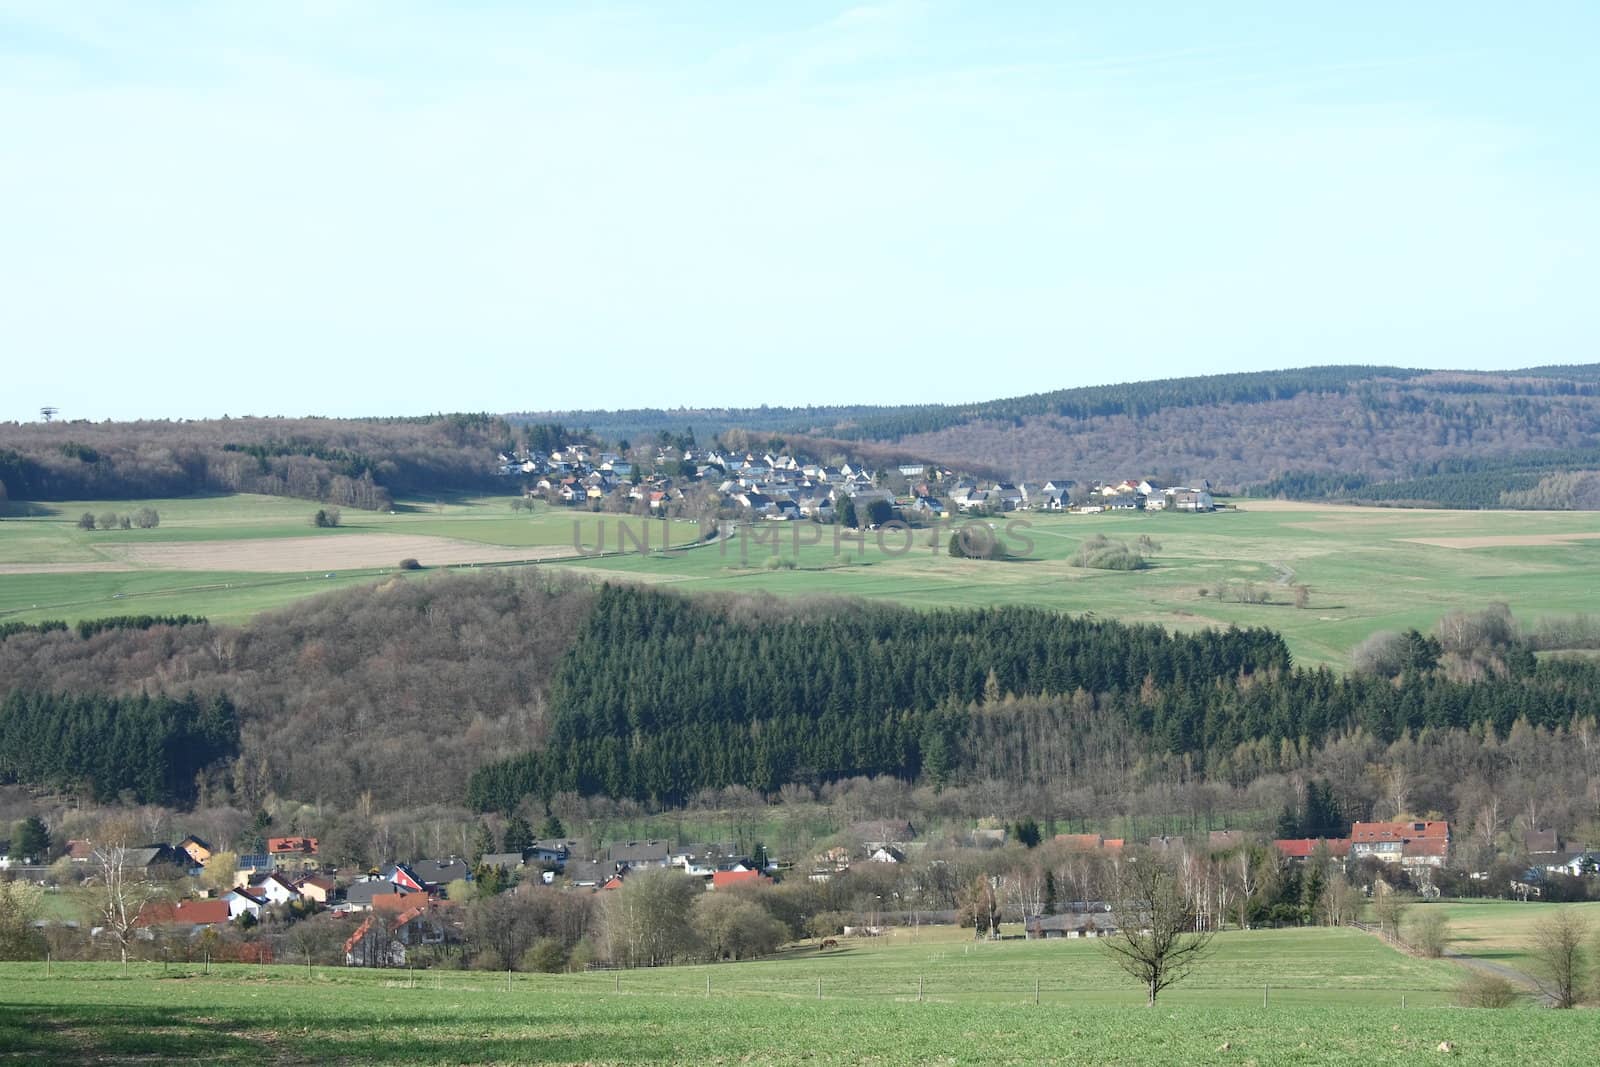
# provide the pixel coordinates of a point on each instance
(1332, 996)
(1365, 568)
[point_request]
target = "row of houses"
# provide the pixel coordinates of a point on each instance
(783, 487)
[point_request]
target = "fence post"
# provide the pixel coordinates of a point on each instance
(708, 985)
(619, 981)
(1036, 992)
(919, 989)
(819, 989)
(1266, 994)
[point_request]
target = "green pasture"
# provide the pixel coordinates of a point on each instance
(1364, 566)
(1502, 931)
(1339, 1003)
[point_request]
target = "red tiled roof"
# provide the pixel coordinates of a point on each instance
(1081, 842)
(723, 878)
(391, 901)
(187, 912)
(1365, 833)
(1299, 848)
(1427, 846)
(281, 846)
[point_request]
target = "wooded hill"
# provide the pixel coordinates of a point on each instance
(505, 688)
(360, 463)
(660, 697)
(1391, 435)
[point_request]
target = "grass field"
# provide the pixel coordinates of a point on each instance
(1367, 569)
(1335, 999)
(1502, 931)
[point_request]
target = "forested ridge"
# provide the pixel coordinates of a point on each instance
(357, 463)
(661, 697)
(1520, 439)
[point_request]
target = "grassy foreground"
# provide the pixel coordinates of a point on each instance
(1335, 999)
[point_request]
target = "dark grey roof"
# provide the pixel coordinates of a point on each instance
(584, 871)
(363, 892)
(637, 852)
(507, 860)
(441, 871)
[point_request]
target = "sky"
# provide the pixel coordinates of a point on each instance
(390, 208)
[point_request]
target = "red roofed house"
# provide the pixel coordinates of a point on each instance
(1303, 848)
(403, 878)
(292, 851)
(190, 913)
(1081, 842)
(723, 879)
(1410, 844)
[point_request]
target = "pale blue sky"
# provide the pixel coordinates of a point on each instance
(367, 208)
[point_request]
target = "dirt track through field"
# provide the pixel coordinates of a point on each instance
(287, 555)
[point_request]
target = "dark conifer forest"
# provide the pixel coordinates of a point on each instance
(660, 697)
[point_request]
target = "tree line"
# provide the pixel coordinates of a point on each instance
(147, 748)
(359, 463)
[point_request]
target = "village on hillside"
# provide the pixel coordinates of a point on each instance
(782, 487)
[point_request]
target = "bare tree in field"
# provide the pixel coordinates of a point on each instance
(1340, 901)
(1156, 941)
(1558, 954)
(122, 887)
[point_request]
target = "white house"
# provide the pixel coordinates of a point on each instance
(244, 902)
(277, 889)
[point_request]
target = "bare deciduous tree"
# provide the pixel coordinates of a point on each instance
(1156, 941)
(1430, 933)
(1558, 953)
(122, 887)
(1340, 901)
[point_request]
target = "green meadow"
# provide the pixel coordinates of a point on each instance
(1296, 997)
(1365, 568)
(1502, 931)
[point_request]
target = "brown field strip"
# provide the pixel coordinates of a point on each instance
(287, 555)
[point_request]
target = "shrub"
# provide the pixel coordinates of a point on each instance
(147, 518)
(545, 956)
(1430, 934)
(106, 520)
(410, 564)
(487, 959)
(1101, 553)
(326, 518)
(1486, 991)
(86, 521)
(976, 541)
